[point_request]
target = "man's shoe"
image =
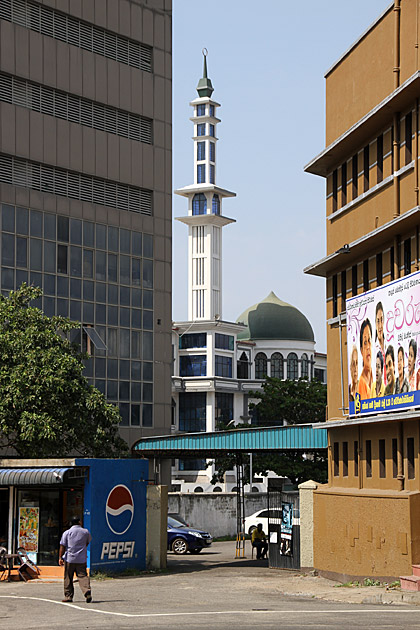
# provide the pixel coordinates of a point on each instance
(88, 596)
(67, 600)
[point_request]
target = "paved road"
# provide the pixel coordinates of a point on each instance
(211, 590)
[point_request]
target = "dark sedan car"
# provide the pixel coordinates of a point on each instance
(182, 538)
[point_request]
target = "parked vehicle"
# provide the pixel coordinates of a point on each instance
(182, 538)
(262, 516)
(179, 518)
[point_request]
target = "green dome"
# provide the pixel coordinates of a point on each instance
(274, 319)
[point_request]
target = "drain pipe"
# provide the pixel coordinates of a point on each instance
(397, 19)
(400, 457)
(396, 143)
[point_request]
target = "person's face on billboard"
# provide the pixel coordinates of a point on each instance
(389, 370)
(354, 367)
(380, 326)
(411, 360)
(401, 365)
(367, 348)
(378, 370)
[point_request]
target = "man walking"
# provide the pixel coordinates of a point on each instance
(73, 555)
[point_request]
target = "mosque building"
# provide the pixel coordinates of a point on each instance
(218, 363)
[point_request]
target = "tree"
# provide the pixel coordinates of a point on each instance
(295, 402)
(47, 407)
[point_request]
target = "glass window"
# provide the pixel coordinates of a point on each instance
(147, 245)
(75, 289)
(62, 307)
(62, 229)
(88, 312)
(199, 205)
(49, 226)
(135, 415)
(113, 239)
(304, 366)
(21, 276)
(124, 369)
(124, 296)
(212, 152)
(7, 279)
(147, 320)
(224, 407)
(147, 346)
(62, 258)
(193, 365)
(100, 313)
(147, 371)
(62, 286)
(211, 130)
(49, 284)
(201, 129)
(8, 250)
(49, 306)
(112, 343)
(100, 236)
(211, 110)
(148, 274)
(242, 366)
(193, 340)
(112, 390)
(135, 272)
(212, 173)
(201, 110)
(36, 223)
(76, 261)
(75, 231)
(223, 366)
(125, 343)
(260, 365)
(124, 390)
(113, 294)
(36, 254)
(292, 366)
(136, 243)
(224, 342)
(88, 290)
(125, 414)
(50, 256)
(21, 251)
(201, 173)
(112, 368)
(100, 273)
(147, 415)
(136, 391)
(88, 263)
(88, 234)
(22, 222)
(125, 269)
(75, 310)
(125, 317)
(147, 299)
(192, 411)
(277, 365)
(125, 241)
(148, 392)
(201, 151)
(135, 371)
(8, 218)
(100, 292)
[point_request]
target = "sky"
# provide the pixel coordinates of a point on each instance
(267, 62)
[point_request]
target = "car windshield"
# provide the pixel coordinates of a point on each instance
(172, 522)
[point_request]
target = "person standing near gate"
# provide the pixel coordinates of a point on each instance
(73, 556)
(259, 541)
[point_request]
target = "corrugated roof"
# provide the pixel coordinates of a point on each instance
(33, 476)
(296, 437)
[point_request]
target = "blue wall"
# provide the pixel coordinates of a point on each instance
(115, 512)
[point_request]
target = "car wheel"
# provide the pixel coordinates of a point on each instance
(194, 551)
(251, 529)
(180, 546)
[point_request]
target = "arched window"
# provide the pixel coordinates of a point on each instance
(242, 366)
(199, 205)
(198, 489)
(305, 366)
(217, 489)
(215, 205)
(260, 365)
(292, 366)
(277, 365)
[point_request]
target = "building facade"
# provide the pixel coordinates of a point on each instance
(370, 164)
(85, 185)
(218, 363)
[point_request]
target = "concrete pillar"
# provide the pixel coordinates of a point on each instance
(306, 505)
(156, 527)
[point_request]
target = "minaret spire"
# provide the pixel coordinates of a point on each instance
(205, 218)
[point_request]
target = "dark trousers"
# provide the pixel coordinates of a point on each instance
(71, 568)
(262, 547)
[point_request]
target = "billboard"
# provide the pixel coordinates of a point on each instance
(383, 327)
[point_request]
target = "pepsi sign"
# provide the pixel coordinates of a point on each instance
(119, 509)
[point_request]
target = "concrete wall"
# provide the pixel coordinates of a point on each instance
(306, 506)
(213, 512)
(156, 528)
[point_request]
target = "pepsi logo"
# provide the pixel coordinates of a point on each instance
(119, 509)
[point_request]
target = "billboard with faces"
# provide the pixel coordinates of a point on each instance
(383, 328)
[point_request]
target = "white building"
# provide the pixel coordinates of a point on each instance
(216, 362)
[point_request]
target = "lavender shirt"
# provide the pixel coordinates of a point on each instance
(75, 540)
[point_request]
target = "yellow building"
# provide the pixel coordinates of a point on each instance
(367, 518)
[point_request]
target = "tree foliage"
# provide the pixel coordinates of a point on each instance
(292, 402)
(47, 407)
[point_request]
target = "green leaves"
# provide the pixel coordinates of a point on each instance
(47, 407)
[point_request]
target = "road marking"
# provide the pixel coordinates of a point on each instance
(213, 612)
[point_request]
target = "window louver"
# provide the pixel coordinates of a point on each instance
(69, 29)
(46, 100)
(57, 181)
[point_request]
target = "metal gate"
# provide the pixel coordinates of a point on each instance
(283, 527)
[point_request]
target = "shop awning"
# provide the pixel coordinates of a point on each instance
(38, 476)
